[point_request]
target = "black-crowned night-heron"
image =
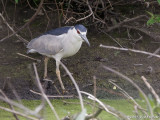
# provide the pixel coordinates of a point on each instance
(59, 43)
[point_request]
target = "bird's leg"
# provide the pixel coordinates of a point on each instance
(59, 76)
(45, 67)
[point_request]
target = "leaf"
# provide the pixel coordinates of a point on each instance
(158, 1)
(82, 115)
(16, 1)
(151, 14)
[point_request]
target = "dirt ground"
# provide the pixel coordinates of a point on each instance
(87, 63)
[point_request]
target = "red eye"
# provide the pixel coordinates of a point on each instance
(78, 32)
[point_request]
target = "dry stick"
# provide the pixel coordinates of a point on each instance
(112, 38)
(87, 15)
(68, 8)
(12, 108)
(129, 97)
(59, 22)
(132, 50)
(29, 57)
(135, 85)
(51, 96)
(14, 92)
(26, 110)
(30, 20)
(75, 84)
(125, 21)
(43, 94)
(4, 8)
(151, 89)
(18, 113)
(95, 99)
(18, 36)
(150, 34)
(94, 115)
(154, 52)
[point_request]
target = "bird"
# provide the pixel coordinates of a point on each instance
(59, 43)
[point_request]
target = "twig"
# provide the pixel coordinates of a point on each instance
(18, 113)
(95, 99)
(135, 85)
(43, 94)
(14, 91)
(51, 96)
(30, 20)
(26, 110)
(124, 21)
(18, 36)
(75, 84)
(132, 50)
(12, 108)
(130, 97)
(94, 115)
(154, 52)
(37, 60)
(112, 38)
(151, 89)
(150, 34)
(59, 22)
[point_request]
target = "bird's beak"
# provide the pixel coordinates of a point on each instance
(85, 39)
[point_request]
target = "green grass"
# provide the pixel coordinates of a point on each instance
(72, 107)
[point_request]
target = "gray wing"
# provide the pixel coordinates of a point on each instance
(46, 44)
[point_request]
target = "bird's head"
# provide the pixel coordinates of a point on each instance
(81, 31)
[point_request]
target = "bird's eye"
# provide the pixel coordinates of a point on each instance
(78, 32)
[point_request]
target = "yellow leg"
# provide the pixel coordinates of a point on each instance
(45, 67)
(59, 76)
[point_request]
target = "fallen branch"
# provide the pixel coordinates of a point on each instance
(129, 97)
(123, 22)
(75, 84)
(43, 94)
(37, 60)
(51, 96)
(132, 50)
(107, 108)
(94, 115)
(151, 89)
(150, 34)
(11, 106)
(156, 51)
(135, 85)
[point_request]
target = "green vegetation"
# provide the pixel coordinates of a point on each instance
(71, 107)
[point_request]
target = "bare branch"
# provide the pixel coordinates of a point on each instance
(12, 108)
(43, 94)
(95, 99)
(125, 21)
(30, 20)
(52, 96)
(37, 60)
(151, 89)
(129, 97)
(18, 36)
(132, 50)
(75, 84)
(18, 113)
(135, 85)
